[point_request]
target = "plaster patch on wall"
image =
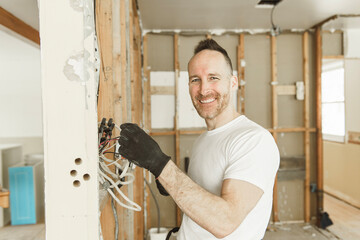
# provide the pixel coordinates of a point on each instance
(75, 68)
(77, 5)
(89, 23)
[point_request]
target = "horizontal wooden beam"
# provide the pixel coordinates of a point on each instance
(286, 90)
(162, 133)
(200, 131)
(162, 90)
(289, 130)
(15, 24)
(333, 57)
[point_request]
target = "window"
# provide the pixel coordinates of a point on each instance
(333, 100)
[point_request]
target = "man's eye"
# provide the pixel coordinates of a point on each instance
(194, 80)
(214, 78)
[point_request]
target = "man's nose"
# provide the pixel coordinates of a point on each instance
(204, 87)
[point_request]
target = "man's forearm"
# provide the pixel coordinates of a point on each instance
(211, 212)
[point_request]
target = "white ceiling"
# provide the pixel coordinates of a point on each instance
(220, 14)
(239, 14)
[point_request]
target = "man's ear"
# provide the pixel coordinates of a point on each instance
(234, 83)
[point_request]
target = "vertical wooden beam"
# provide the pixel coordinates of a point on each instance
(305, 49)
(319, 142)
(241, 75)
(274, 105)
(124, 101)
(105, 100)
(137, 110)
(147, 119)
(176, 118)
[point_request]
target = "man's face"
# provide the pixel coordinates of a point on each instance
(210, 83)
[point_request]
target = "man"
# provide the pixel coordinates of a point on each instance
(228, 193)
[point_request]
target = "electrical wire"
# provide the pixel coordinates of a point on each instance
(156, 203)
(111, 179)
(116, 219)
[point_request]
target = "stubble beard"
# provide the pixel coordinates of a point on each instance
(222, 103)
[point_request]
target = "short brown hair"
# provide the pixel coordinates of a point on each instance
(210, 44)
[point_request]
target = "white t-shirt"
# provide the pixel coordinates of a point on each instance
(243, 150)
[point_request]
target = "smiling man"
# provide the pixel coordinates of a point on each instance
(228, 191)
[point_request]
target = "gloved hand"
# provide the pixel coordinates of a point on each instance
(161, 188)
(139, 148)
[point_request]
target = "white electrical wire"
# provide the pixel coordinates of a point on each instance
(104, 169)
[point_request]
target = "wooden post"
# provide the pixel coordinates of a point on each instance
(137, 109)
(176, 118)
(106, 91)
(241, 76)
(305, 48)
(319, 143)
(147, 118)
(274, 101)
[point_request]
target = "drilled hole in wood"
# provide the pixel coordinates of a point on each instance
(86, 177)
(78, 161)
(73, 173)
(76, 183)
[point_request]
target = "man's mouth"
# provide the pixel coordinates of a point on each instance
(210, 100)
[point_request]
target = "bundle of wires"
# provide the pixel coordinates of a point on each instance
(112, 180)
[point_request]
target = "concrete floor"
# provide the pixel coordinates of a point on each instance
(345, 217)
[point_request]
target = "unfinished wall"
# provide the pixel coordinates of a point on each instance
(257, 107)
(20, 100)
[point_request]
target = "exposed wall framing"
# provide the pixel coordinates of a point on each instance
(119, 36)
(276, 91)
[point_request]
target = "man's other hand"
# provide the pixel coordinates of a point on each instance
(139, 148)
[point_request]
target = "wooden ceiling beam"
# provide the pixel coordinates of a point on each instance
(15, 24)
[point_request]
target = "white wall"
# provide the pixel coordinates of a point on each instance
(352, 95)
(20, 86)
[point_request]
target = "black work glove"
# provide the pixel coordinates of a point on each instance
(141, 149)
(161, 188)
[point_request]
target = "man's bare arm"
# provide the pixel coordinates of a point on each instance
(218, 215)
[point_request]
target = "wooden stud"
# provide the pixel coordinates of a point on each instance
(105, 103)
(305, 49)
(147, 119)
(147, 85)
(274, 116)
(137, 110)
(15, 24)
(319, 142)
(291, 130)
(176, 118)
(333, 57)
(241, 75)
(162, 90)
